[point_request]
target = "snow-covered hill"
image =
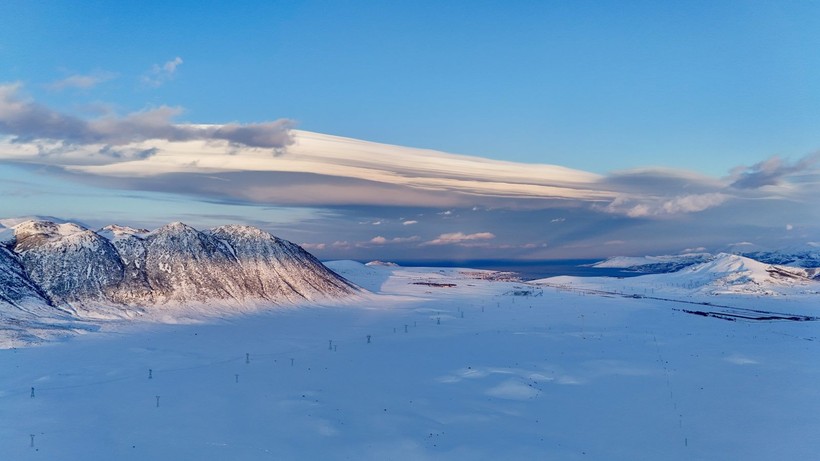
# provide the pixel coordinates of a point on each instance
(737, 274)
(121, 272)
(654, 264)
(718, 275)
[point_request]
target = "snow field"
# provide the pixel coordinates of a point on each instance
(479, 374)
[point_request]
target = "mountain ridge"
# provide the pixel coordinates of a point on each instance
(118, 270)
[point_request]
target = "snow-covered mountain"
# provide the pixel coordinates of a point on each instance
(808, 257)
(738, 274)
(723, 273)
(654, 264)
(120, 270)
(71, 264)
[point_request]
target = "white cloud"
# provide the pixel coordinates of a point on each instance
(410, 222)
(160, 74)
(789, 227)
(82, 81)
(457, 238)
(640, 207)
(379, 240)
(693, 203)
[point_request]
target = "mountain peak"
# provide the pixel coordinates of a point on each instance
(176, 226)
(116, 232)
(241, 231)
(30, 234)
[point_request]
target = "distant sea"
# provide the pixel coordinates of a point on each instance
(530, 270)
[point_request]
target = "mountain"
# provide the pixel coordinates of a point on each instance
(719, 274)
(654, 264)
(69, 263)
(806, 258)
(119, 271)
(797, 257)
(738, 274)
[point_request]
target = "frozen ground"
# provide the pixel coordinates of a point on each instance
(485, 370)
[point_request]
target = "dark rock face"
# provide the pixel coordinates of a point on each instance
(15, 286)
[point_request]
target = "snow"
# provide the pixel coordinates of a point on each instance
(483, 372)
(115, 232)
(11, 222)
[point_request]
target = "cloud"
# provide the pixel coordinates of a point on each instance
(160, 74)
(81, 81)
(771, 172)
(649, 209)
(693, 203)
(458, 238)
(29, 121)
(660, 206)
(379, 240)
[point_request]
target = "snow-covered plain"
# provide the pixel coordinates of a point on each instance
(458, 367)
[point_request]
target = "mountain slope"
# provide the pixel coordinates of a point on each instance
(277, 268)
(15, 287)
(71, 264)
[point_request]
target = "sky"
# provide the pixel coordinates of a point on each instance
(421, 130)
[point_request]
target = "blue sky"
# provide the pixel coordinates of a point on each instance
(707, 91)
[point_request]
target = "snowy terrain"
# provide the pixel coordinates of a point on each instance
(435, 364)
